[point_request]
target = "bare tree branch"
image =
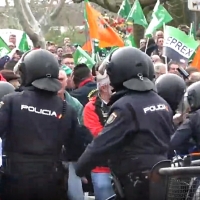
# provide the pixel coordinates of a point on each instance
(22, 18)
(29, 23)
(28, 13)
(7, 4)
(57, 9)
(49, 16)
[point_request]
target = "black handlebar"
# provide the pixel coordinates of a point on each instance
(180, 171)
(195, 163)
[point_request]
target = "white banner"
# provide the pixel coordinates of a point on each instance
(194, 5)
(5, 33)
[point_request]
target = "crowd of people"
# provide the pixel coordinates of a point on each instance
(89, 93)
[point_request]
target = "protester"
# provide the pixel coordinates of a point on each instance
(95, 116)
(11, 77)
(160, 69)
(59, 52)
(2, 78)
(68, 72)
(156, 59)
(75, 190)
(10, 65)
(173, 67)
(14, 55)
(84, 83)
(68, 60)
(143, 43)
(194, 77)
(12, 39)
(11, 45)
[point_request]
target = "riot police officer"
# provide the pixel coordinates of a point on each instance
(137, 133)
(171, 87)
(189, 129)
(5, 88)
(36, 123)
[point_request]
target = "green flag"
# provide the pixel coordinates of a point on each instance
(80, 56)
(136, 15)
(4, 49)
(129, 41)
(177, 45)
(160, 16)
(23, 45)
(124, 9)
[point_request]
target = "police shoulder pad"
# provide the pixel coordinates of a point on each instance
(1, 104)
(111, 118)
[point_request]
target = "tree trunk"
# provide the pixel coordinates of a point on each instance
(138, 32)
(29, 23)
(31, 26)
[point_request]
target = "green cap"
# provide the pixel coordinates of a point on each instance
(67, 69)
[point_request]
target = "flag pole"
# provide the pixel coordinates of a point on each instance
(146, 45)
(164, 38)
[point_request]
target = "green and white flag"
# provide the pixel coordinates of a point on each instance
(160, 17)
(136, 15)
(177, 45)
(129, 41)
(124, 9)
(23, 45)
(4, 49)
(80, 57)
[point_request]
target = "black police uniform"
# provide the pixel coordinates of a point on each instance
(5, 88)
(36, 123)
(138, 130)
(187, 134)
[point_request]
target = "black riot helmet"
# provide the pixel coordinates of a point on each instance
(151, 68)
(128, 67)
(193, 96)
(40, 69)
(171, 87)
(5, 88)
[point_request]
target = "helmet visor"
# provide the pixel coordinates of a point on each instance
(102, 68)
(184, 104)
(17, 66)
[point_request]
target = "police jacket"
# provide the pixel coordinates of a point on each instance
(36, 125)
(187, 134)
(137, 134)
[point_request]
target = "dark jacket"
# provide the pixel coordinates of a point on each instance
(82, 92)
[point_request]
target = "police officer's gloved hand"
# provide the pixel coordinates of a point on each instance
(179, 118)
(84, 180)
